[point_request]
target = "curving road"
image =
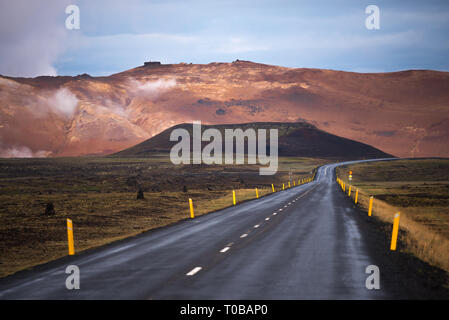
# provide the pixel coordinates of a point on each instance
(302, 243)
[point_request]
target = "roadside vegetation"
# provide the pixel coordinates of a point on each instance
(101, 196)
(419, 189)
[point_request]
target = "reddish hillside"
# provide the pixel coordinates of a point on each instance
(402, 113)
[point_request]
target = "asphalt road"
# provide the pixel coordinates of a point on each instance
(302, 243)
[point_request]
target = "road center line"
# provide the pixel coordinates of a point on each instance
(256, 226)
(193, 271)
(224, 249)
(244, 235)
(267, 219)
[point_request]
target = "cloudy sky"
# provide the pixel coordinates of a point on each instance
(117, 35)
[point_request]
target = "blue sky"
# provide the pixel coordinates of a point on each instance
(117, 35)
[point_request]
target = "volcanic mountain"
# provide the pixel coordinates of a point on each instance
(402, 113)
(299, 139)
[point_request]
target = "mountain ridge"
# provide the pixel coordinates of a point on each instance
(404, 113)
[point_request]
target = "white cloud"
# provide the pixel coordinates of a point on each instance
(63, 102)
(22, 152)
(129, 40)
(32, 36)
(151, 89)
(110, 107)
(348, 42)
(238, 45)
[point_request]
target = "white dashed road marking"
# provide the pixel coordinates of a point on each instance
(193, 271)
(244, 235)
(256, 226)
(267, 219)
(224, 249)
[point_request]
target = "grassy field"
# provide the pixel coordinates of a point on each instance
(99, 195)
(419, 189)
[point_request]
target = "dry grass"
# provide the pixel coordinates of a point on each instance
(425, 219)
(420, 240)
(34, 241)
(99, 195)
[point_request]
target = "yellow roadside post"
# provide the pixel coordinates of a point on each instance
(294, 183)
(356, 196)
(192, 215)
(283, 186)
(272, 187)
(233, 197)
(289, 184)
(344, 186)
(70, 237)
(349, 191)
(257, 194)
(394, 236)
(370, 209)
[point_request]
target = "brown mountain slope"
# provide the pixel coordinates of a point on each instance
(402, 113)
(299, 139)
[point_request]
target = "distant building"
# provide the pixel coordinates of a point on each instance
(151, 63)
